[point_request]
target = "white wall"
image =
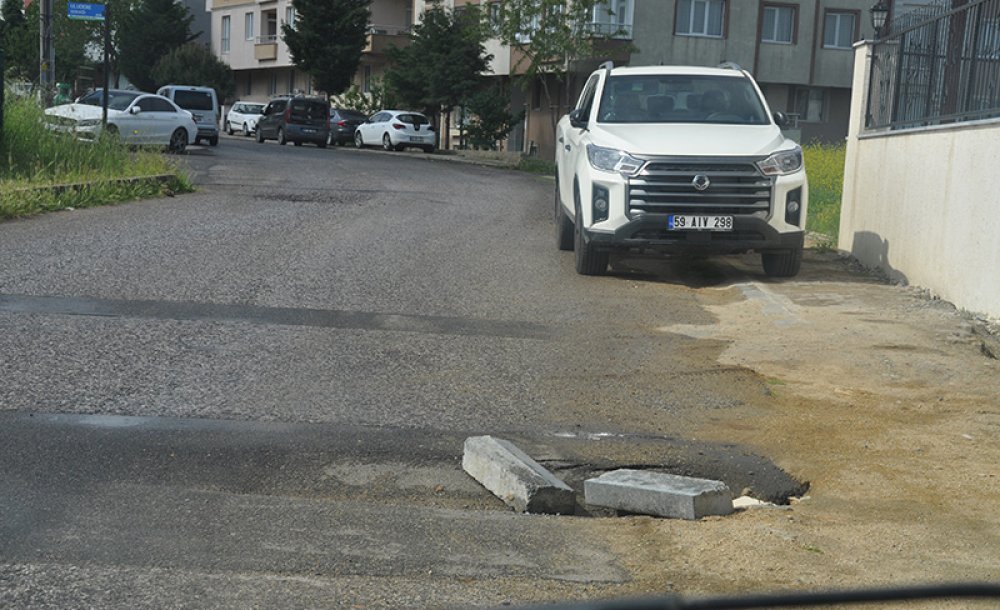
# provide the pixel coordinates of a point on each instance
(924, 205)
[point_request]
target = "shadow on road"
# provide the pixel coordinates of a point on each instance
(722, 271)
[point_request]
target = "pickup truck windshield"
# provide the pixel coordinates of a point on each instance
(681, 99)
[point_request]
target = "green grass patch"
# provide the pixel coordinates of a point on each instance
(537, 166)
(36, 164)
(825, 166)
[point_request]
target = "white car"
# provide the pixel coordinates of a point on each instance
(683, 160)
(243, 117)
(395, 130)
(135, 117)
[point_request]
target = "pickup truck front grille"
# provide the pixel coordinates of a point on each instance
(668, 187)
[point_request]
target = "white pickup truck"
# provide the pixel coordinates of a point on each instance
(678, 159)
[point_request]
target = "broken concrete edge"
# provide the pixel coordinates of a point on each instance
(511, 475)
(659, 494)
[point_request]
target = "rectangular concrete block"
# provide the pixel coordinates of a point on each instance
(655, 493)
(511, 475)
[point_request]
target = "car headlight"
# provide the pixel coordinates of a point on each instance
(782, 163)
(613, 160)
(88, 123)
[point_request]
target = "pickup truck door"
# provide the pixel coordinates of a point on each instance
(571, 142)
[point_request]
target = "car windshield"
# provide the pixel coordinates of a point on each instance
(193, 100)
(412, 119)
(117, 100)
(253, 108)
(681, 99)
(306, 109)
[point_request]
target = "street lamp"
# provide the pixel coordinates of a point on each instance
(879, 14)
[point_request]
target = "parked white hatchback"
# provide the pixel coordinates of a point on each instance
(133, 116)
(243, 117)
(395, 130)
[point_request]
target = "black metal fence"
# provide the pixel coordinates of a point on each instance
(936, 65)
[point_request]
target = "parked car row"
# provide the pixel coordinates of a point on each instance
(134, 117)
(310, 120)
(175, 116)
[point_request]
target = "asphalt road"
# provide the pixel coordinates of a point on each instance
(256, 394)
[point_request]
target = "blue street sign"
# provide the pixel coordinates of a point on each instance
(84, 11)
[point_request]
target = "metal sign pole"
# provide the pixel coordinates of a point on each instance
(107, 64)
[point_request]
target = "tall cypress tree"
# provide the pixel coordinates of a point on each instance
(327, 39)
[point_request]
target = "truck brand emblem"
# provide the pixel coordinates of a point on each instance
(701, 182)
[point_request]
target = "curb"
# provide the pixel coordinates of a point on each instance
(58, 189)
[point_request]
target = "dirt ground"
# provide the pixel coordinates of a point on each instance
(887, 401)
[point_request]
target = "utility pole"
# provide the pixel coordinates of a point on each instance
(47, 52)
(107, 63)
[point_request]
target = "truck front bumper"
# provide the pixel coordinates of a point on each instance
(649, 232)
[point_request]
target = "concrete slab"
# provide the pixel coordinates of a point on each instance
(659, 494)
(511, 475)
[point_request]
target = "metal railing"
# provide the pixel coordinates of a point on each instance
(936, 65)
(267, 39)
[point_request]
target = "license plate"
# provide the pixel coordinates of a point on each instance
(307, 130)
(700, 223)
(416, 139)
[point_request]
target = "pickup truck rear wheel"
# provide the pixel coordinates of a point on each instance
(785, 263)
(588, 260)
(564, 226)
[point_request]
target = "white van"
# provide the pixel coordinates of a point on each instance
(203, 103)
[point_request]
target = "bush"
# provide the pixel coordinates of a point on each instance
(825, 167)
(33, 160)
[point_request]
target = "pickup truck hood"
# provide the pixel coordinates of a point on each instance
(687, 139)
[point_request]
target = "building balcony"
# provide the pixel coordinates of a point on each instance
(266, 48)
(383, 37)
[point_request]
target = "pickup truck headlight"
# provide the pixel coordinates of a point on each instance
(782, 163)
(613, 160)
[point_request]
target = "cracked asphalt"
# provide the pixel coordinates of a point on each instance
(162, 362)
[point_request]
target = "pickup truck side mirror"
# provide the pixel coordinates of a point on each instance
(578, 118)
(781, 119)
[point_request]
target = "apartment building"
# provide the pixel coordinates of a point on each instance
(246, 34)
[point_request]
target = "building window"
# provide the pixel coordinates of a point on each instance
(225, 33)
(701, 17)
(810, 104)
(367, 84)
(248, 26)
(269, 26)
(840, 30)
(272, 87)
(290, 15)
(778, 24)
(612, 18)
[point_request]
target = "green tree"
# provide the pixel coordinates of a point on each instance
(195, 63)
(11, 14)
(20, 40)
(146, 34)
(444, 62)
(492, 119)
(550, 37)
(327, 39)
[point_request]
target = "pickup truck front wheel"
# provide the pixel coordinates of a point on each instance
(564, 226)
(589, 261)
(784, 263)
